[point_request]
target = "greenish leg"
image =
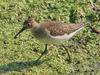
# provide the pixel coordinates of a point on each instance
(69, 57)
(44, 52)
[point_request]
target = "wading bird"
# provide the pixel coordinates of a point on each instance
(51, 32)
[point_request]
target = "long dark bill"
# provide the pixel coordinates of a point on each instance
(19, 32)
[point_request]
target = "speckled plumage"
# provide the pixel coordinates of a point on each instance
(59, 28)
(52, 31)
(56, 32)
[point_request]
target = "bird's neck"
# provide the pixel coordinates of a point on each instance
(36, 26)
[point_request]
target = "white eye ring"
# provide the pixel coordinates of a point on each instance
(28, 24)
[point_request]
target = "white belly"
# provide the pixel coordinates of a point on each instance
(46, 38)
(65, 36)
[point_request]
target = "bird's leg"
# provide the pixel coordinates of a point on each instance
(69, 57)
(44, 52)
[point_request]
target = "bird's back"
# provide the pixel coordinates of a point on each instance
(52, 31)
(59, 28)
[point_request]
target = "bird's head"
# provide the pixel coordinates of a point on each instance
(27, 24)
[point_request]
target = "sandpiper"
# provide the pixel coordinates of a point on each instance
(51, 32)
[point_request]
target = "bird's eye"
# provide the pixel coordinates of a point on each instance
(28, 24)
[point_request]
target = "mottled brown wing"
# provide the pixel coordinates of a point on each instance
(59, 28)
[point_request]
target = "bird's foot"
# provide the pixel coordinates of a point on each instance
(68, 60)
